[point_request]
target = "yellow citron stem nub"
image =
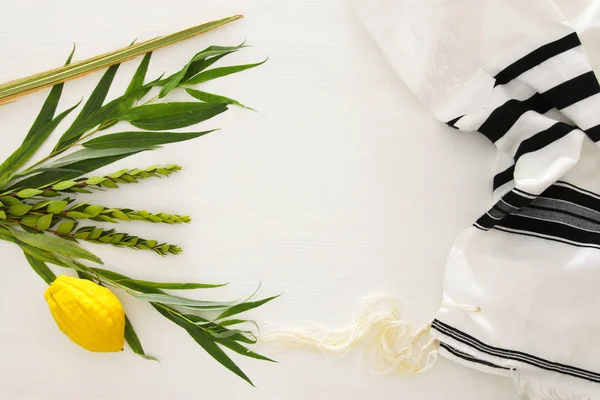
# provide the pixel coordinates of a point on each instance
(89, 314)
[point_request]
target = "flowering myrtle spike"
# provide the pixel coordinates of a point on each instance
(112, 181)
(61, 209)
(99, 235)
(67, 229)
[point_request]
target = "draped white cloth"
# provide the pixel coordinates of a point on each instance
(522, 285)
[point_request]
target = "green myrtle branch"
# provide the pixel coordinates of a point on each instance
(92, 234)
(45, 211)
(112, 181)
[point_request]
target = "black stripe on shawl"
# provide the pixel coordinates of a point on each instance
(505, 116)
(513, 355)
(543, 139)
(537, 57)
(573, 91)
(468, 357)
(504, 177)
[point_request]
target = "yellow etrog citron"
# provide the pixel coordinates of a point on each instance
(89, 314)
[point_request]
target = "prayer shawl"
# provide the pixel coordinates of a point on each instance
(522, 284)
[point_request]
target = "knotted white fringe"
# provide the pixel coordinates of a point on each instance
(388, 342)
(532, 389)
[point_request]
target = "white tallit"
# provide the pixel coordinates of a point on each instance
(522, 285)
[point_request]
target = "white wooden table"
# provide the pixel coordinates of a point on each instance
(325, 195)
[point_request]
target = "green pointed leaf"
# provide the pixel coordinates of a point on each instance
(148, 87)
(109, 184)
(196, 64)
(123, 280)
(77, 215)
(40, 268)
(231, 322)
(64, 185)
(120, 215)
(44, 222)
(29, 220)
(208, 57)
(73, 170)
(30, 145)
(220, 72)
(183, 302)
(214, 98)
(134, 342)
(56, 207)
(26, 193)
(80, 190)
(93, 104)
(49, 108)
(240, 308)
(55, 244)
(66, 227)
(93, 211)
(41, 204)
(172, 82)
(2, 215)
(87, 154)
(172, 285)
(140, 139)
(241, 349)
(70, 58)
(163, 116)
(138, 78)
(95, 233)
(205, 341)
(20, 209)
(11, 201)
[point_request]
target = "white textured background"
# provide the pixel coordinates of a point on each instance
(340, 187)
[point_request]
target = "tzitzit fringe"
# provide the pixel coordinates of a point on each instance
(389, 345)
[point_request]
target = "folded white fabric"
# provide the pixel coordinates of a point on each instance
(521, 290)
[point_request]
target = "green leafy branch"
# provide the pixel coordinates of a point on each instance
(112, 181)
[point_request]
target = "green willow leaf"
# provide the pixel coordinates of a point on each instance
(137, 82)
(196, 64)
(183, 302)
(243, 350)
(49, 108)
(40, 268)
(148, 87)
(200, 64)
(170, 285)
(134, 342)
(124, 280)
(88, 154)
(214, 98)
(40, 254)
(70, 171)
(163, 116)
(240, 308)
(30, 145)
(55, 245)
(204, 340)
(93, 104)
(231, 322)
(215, 327)
(172, 82)
(220, 72)
(124, 140)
